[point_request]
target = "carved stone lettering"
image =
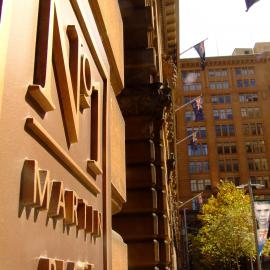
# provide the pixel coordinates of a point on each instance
(89, 267)
(38, 191)
(81, 214)
(89, 219)
(86, 89)
(35, 186)
(97, 224)
(54, 264)
(71, 202)
(72, 69)
(57, 201)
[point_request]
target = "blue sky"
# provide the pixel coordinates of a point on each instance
(225, 24)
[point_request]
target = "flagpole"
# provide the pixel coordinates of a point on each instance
(186, 137)
(191, 47)
(184, 203)
(187, 103)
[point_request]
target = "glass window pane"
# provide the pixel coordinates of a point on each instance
(235, 165)
(246, 83)
(224, 130)
(218, 130)
(233, 149)
(193, 184)
(250, 164)
(214, 99)
(212, 85)
(238, 71)
(225, 85)
(229, 113)
(231, 130)
(221, 165)
(207, 183)
(203, 132)
(239, 83)
(221, 99)
(200, 185)
(220, 149)
(227, 99)
(216, 114)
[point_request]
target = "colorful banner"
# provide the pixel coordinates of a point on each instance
(262, 213)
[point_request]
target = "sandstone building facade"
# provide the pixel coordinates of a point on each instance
(233, 139)
(88, 175)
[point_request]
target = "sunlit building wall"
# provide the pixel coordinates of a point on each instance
(234, 138)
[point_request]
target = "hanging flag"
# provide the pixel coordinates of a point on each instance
(249, 3)
(197, 108)
(201, 51)
(200, 200)
(194, 141)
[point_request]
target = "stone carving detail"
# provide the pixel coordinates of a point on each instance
(149, 100)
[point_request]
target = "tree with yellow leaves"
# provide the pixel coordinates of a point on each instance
(227, 235)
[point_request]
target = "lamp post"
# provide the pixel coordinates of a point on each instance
(186, 240)
(180, 205)
(249, 185)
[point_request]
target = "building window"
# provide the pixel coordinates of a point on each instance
(189, 116)
(200, 131)
(249, 97)
(192, 87)
(246, 83)
(261, 180)
(187, 99)
(255, 147)
(218, 73)
(257, 164)
(244, 71)
(228, 165)
(222, 114)
(193, 184)
(225, 130)
(190, 76)
(221, 99)
(198, 167)
(250, 112)
(219, 85)
(233, 179)
(201, 149)
(200, 184)
(238, 71)
(227, 148)
(253, 129)
(239, 83)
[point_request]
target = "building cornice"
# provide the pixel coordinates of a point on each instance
(226, 60)
(170, 17)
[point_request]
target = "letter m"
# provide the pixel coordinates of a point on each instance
(34, 186)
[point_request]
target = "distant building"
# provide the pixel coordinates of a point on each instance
(234, 138)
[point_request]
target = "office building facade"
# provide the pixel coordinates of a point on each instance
(234, 137)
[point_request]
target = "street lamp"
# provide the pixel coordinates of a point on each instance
(249, 185)
(180, 205)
